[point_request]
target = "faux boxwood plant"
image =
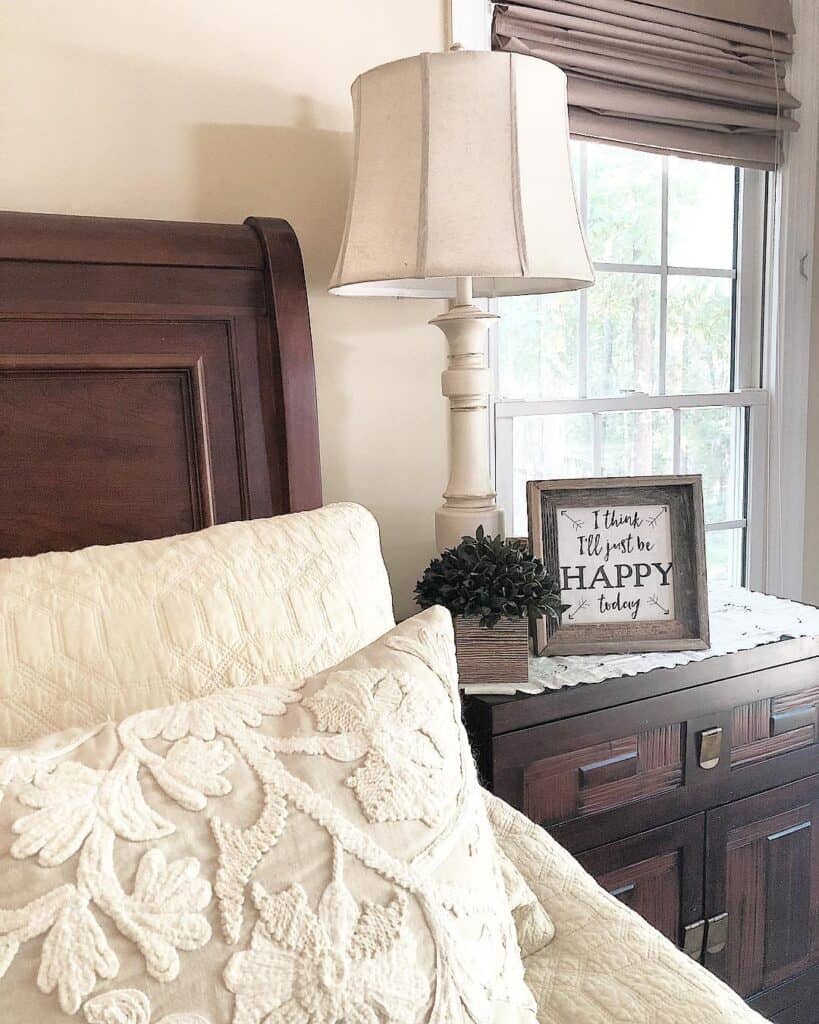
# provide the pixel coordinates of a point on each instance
(491, 578)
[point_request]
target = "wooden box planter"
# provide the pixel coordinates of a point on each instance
(496, 655)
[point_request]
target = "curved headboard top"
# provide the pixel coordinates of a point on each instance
(155, 378)
(66, 239)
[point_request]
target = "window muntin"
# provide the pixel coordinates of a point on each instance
(641, 374)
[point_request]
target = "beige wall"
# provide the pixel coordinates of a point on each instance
(213, 110)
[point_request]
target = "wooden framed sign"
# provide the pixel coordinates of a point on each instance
(629, 555)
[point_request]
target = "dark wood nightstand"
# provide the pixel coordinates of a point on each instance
(690, 793)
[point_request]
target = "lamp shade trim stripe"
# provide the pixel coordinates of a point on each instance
(520, 229)
(355, 94)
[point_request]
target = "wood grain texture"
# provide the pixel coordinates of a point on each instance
(774, 726)
(762, 868)
(154, 378)
(607, 775)
(566, 758)
(499, 654)
(653, 886)
(658, 874)
(788, 864)
(750, 722)
(83, 240)
(509, 756)
(761, 750)
(745, 894)
(789, 701)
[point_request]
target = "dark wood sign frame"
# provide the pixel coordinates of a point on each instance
(688, 630)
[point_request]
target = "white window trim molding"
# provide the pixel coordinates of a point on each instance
(788, 319)
(470, 24)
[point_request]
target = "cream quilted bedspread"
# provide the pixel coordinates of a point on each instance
(100, 633)
(605, 964)
(108, 631)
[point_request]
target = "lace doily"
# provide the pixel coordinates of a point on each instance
(740, 619)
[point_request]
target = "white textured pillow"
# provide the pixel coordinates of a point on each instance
(297, 853)
(95, 634)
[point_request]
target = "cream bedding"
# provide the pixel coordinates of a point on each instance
(96, 634)
(108, 631)
(305, 852)
(605, 965)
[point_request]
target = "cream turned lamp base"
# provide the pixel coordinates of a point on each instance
(469, 498)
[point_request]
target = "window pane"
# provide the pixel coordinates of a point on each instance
(700, 214)
(698, 344)
(713, 444)
(625, 198)
(623, 334)
(724, 553)
(538, 346)
(635, 443)
(548, 448)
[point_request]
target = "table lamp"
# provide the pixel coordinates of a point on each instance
(462, 186)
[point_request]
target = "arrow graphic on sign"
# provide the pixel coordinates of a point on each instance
(576, 523)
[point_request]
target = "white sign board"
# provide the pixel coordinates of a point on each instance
(615, 563)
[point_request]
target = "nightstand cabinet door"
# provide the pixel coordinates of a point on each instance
(762, 870)
(659, 874)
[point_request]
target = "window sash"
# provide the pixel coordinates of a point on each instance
(753, 400)
(747, 375)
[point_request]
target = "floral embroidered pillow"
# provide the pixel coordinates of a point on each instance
(295, 853)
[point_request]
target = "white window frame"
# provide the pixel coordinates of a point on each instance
(470, 24)
(747, 393)
(776, 495)
(788, 317)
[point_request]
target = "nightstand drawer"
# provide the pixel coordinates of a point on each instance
(604, 775)
(692, 795)
(583, 766)
(772, 726)
(676, 754)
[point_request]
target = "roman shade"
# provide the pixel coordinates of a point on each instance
(697, 78)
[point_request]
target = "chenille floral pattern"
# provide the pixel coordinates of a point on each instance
(223, 770)
(402, 774)
(343, 962)
(131, 1006)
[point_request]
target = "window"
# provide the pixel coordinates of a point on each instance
(656, 369)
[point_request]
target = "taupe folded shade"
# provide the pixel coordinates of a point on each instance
(698, 78)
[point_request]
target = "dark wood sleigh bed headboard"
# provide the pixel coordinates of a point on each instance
(155, 378)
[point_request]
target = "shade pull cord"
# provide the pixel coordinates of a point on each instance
(778, 155)
(779, 144)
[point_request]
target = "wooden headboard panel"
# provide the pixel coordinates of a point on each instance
(155, 378)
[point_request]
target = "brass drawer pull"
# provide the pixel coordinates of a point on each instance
(794, 718)
(710, 747)
(693, 936)
(717, 933)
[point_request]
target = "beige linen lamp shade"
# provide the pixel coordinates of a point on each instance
(461, 169)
